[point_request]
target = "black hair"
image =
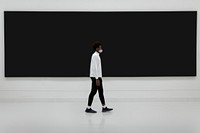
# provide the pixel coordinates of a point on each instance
(96, 44)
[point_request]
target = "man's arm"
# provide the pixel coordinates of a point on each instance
(96, 69)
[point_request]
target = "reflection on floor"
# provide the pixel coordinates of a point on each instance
(127, 117)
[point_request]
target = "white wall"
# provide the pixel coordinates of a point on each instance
(115, 89)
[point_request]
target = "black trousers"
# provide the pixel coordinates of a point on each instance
(94, 89)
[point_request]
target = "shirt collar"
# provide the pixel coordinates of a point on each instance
(96, 52)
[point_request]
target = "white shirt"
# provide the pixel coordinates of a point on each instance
(95, 65)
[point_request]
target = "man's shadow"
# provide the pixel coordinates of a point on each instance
(97, 120)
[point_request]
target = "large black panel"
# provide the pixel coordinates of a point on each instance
(135, 43)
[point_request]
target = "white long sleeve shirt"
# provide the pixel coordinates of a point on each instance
(95, 65)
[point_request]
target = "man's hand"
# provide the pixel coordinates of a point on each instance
(97, 82)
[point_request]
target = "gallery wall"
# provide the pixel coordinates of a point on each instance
(116, 88)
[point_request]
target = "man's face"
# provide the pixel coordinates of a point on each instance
(100, 50)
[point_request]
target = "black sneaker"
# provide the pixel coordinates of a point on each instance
(106, 109)
(90, 110)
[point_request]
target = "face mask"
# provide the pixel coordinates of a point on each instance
(100, 51)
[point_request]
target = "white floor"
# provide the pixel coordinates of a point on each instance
(127, 117)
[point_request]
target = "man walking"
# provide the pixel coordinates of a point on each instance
(96, 77)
